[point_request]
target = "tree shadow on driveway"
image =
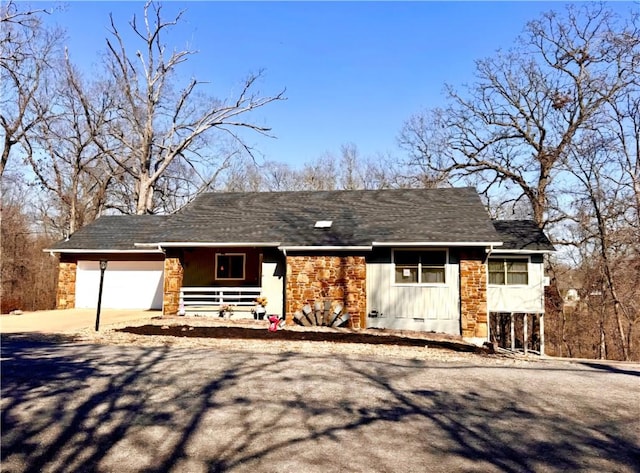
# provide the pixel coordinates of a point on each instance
(610, 368)
(71, 407)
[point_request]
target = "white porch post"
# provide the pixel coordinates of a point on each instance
(541, 334)
(525, 329)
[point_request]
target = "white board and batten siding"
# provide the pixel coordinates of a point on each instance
(413, 307)
(519, 298)
(127, 285)
(273, 288)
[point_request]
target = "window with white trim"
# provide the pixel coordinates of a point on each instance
(230, 266)
(509, 271)
(420, 267)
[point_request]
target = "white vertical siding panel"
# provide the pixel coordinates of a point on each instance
(519, 298)
(413, 307)
(272, 288)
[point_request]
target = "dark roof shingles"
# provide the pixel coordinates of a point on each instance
(522, 235)
(114, 232)
(359, 217)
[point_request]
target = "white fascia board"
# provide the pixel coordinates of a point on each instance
(527, 311)
(191, 244)
(77, 250)
(437, 243)
(325, 248)
(523, 252)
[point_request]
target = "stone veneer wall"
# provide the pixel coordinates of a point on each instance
(473, 295)
(334, 278)
(173, 273)
(66, 293)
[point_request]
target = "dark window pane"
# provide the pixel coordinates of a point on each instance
(223, 267)
(518, 278)
(517, 266)
(237, 267)
(496, 277)
(230, 267)
(433, 258)
(496, 265)
(509, 271)
(406, 257)
(432, 275)
(406, 274)
(517, 272)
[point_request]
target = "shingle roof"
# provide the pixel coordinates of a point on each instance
(522, 235)
(114, 232)
(360, 217)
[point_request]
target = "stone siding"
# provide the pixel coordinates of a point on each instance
(173, 273)
(473, 295)
(66, 293)
(334, 278)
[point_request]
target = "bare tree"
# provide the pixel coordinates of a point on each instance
(331, 171)
(27, 274)
(601, 204)
(623, 134)
(28, 53)
(351, 170)
(28, 56)
(515, 126)
(70, 166)
(161, 128)
(553, 123)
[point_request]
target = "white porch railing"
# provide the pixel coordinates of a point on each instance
(213, 299)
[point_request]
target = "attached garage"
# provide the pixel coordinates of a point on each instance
(127, 284)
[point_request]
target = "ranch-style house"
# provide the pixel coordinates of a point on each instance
(412, 259)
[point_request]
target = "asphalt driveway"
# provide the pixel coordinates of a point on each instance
(57, 321)
(80, 407)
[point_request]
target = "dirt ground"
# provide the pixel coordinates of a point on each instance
(145, 329)
(253, 336)
(235, 332)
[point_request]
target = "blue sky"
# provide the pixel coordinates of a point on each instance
(353, 71)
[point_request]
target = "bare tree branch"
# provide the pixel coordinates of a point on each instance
(158, 125)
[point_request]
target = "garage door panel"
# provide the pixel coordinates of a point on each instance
(127, 284)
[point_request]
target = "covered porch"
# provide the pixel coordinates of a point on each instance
(223, 280)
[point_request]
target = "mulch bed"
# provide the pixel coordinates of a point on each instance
(294, 335)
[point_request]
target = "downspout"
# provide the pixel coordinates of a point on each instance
(489, 251)
(486, 261)
(284, 286)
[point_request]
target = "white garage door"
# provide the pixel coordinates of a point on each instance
(127, 285)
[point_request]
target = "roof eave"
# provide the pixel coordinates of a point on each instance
(326, 248)
(521, 251)
(207, 244)
(97, 250)
(438, 243)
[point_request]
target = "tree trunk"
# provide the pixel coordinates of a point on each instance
(603, 344)
(5, 152)
(144, 203)
(73, 207)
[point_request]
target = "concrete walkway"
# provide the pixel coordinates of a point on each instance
(57, 321)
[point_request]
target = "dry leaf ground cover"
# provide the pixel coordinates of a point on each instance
(254, 336)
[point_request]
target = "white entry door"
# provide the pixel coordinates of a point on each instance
(127, 285)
